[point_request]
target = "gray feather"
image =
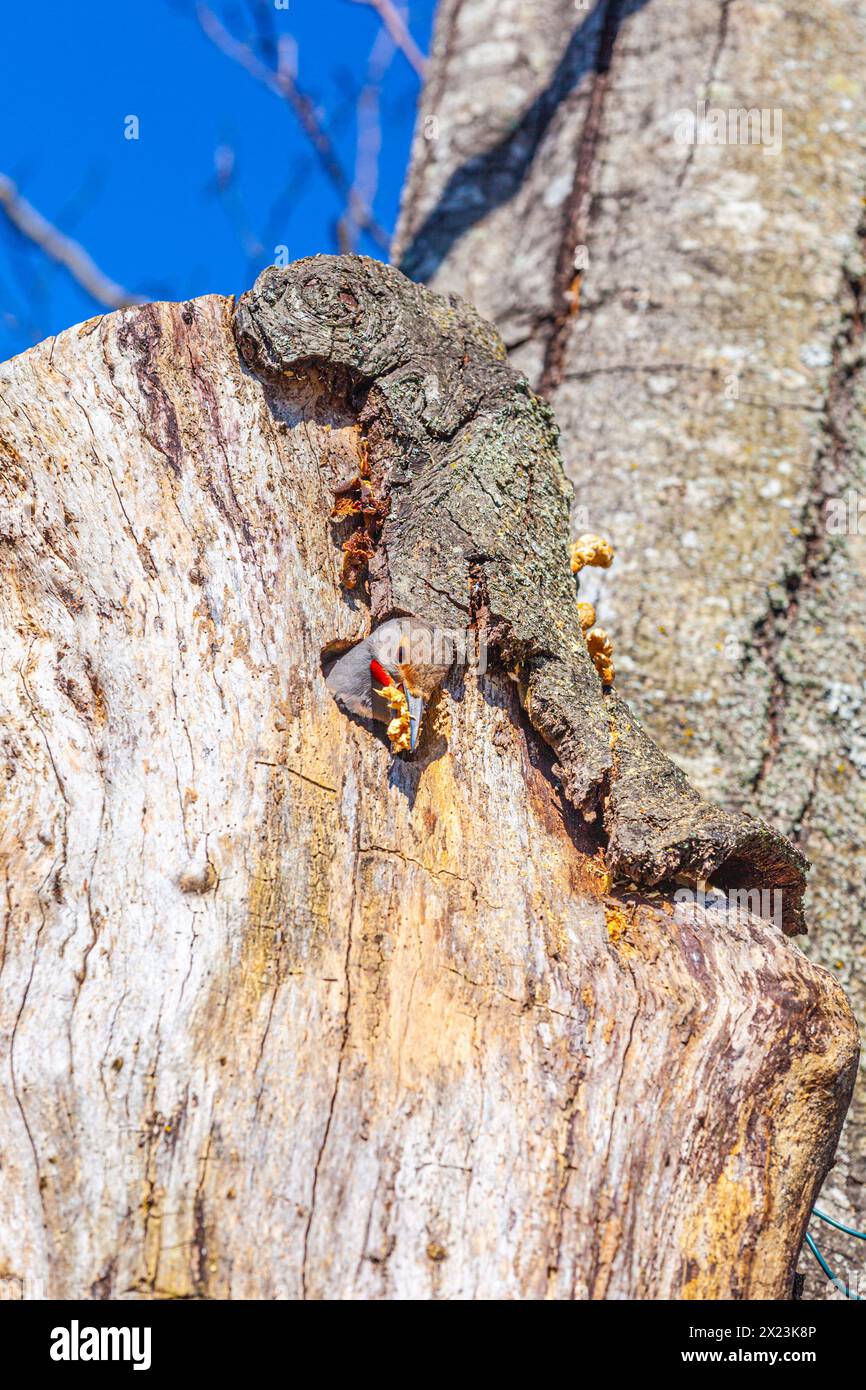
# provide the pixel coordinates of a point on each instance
(349, 681)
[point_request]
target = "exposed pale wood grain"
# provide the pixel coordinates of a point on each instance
(282, 1017)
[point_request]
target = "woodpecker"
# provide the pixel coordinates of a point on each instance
(406, 652)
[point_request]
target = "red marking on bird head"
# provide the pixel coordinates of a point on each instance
(379, 673)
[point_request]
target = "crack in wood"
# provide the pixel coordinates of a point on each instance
(567, 278)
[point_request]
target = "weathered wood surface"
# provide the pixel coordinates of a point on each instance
(710, 389)
(282, 1016)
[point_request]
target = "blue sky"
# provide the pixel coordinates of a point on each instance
(149, 211)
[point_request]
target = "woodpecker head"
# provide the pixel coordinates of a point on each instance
(406, 652)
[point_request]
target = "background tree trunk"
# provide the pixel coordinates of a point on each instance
(695, 315)
(283, 1016)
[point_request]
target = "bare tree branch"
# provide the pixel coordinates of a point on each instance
(397, 27)
(369, 135)
(62, 249)
(227, 190)
(283, 85)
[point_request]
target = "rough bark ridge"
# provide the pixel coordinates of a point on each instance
(464, 457)
(708, 381)
(282, 1016)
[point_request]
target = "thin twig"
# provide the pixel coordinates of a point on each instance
(369, 137)
(62, 249)
(399, 31)
(283, 85)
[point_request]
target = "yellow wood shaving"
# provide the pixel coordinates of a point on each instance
(399, 729)
(345, 506)
(591, 550)
(601, 651)
(586, 617)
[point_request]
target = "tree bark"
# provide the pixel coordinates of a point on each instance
(695, 315)
(284, 1016)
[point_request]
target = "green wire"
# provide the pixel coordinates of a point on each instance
(849, 1231)
(829, 1273)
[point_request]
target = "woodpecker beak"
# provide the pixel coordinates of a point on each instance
(416, 709)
